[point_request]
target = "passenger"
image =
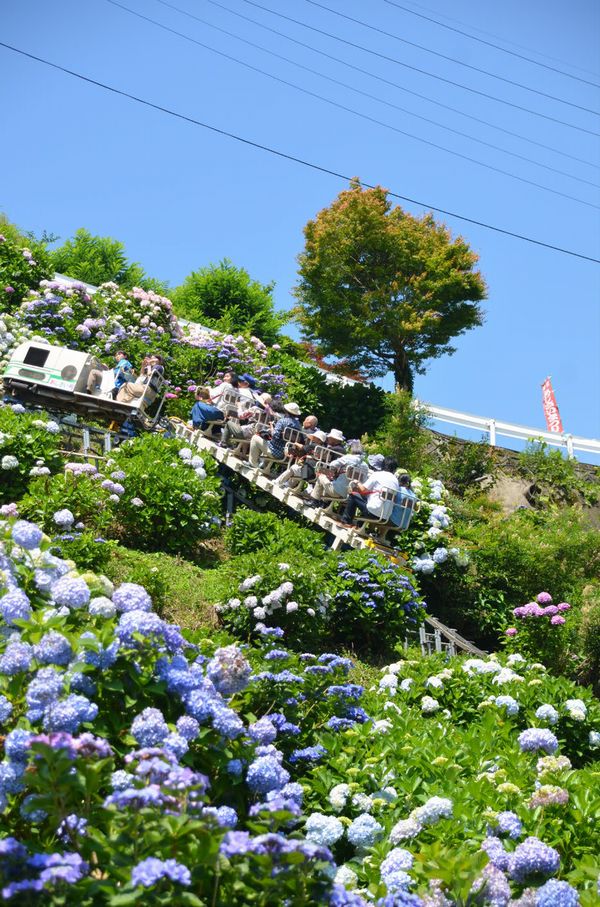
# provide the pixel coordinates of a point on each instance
(203, 411)
(133, 390)
(310, 424)
(335, 441)
(366, 498)
(247, 389)
(302, 465)
(123, 372)
(402, 512)
(228, 385)
(275, 447)
(333, 483)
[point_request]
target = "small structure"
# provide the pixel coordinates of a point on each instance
(57, 377)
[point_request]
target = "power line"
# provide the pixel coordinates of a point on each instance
(359, 90)
(436, 53)
(385, 81)
(491, 44)
(340, 106)
(425, 72)
(290, 157)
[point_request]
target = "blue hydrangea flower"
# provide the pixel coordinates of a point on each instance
(397, 860)
(149, 625)
(364, 831)
(491, 888)
(67, 714)
(229, 670)
(53, 648)
(14, 605)
(227, 722)
(151, 870)
(16, 658)
(534, 739)
(533, 858)
(226, 816)
(308, 754)
(188, 727)
(266, 774)
(262, 731)
(64, 519)
(507, 823)
(557, 894)
(26, 534)
(323, 829)
(547, 713)
(11, 774)
(44, 689)
(16, 744)
(131, 597)
(149, 727)
(235, 767)
(70, 591)
(6, 708)
(511, 705)
(433, 810)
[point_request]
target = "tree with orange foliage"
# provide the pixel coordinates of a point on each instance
(383, 289)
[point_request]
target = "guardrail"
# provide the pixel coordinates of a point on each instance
(494, 428)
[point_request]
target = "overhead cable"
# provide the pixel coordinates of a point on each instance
(339, 106)
(491, 44)
(425, 72)
(297, 160)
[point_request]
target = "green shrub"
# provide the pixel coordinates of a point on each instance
(23, 263)
(252, 531)
(167, 505)
(542, 631)
(402, 434)
(29, 446)
(72, 490)
(558, 479)
(86, 549)
(372, 603)
(462, 464)
(588, 637)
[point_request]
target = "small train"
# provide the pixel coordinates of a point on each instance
(57, 377)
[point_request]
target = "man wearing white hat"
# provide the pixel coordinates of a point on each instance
(259, 447)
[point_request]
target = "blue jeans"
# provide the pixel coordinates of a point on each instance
(356, 501)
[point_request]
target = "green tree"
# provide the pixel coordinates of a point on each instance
(386, 290)
(99, 259)
(226, 297)
(24, 261)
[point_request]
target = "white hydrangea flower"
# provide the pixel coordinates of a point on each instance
(346, 877)
(429, 705)
(434, 682)
(101, 606)
(338, 796)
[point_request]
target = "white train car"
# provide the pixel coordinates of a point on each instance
(57, 377)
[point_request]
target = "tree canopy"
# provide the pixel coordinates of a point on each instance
(383, 289)
(226, 297)
(99, 259)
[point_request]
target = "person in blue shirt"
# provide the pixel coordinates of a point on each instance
(203, 411)
(123, 372)
(275, 447)
(404, 504)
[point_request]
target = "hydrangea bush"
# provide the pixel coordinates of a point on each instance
(21, 268)
(540, 630)
(426, 539)
(29, 448)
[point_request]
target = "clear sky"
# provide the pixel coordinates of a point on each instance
(180, 197)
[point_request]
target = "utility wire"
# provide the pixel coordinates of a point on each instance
(425, 72)
(385, 81)
(491, 44)
(436, 53)
(290, 157)
(351, 110)
(366, 94)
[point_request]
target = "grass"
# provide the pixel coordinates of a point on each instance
(181, 591)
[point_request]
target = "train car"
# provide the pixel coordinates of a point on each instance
(57, 377)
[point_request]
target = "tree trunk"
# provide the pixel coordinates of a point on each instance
(403, 374)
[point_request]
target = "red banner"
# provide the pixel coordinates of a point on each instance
(553, 420)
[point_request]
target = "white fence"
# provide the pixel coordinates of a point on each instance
(494, 428)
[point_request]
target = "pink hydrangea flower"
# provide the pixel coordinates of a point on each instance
(557, 620)
(512, 631)
(563, 606)
(544, 598)
(9, 289)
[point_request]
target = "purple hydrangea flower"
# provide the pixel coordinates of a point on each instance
(533, 858)
(131, 597)
(26, 534)
(6, 708)
(70, 591)
(152, 870)
(53, 648)
(266, 774)
(149, 727)
(534, 739)
(16, 658)
(229, 670)
(14, 605)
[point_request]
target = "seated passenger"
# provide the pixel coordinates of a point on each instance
(335, 441)
(302, 462)
(401, 513)
(145, 385)
(247, 389)
(123, 372)
(333, 483)
(366, 498)
(275, 447)
(229, 385)
(203, 411)
(240, 428)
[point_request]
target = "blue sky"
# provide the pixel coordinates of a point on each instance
(180, 197)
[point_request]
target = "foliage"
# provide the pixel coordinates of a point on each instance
(402, 434)
(224, 296)
(462, 464)
(171, 500)
(260, 589)
(356, 409)
(23, 263)
(386, 290)
(588, 637)
(252, 532)
(86, 549)
(373, 603)
(29, 446)
(76, 490)
(512, 558)
(559, 480)
(100, 259)
(541, 630)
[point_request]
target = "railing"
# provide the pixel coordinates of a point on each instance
(494, 428)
